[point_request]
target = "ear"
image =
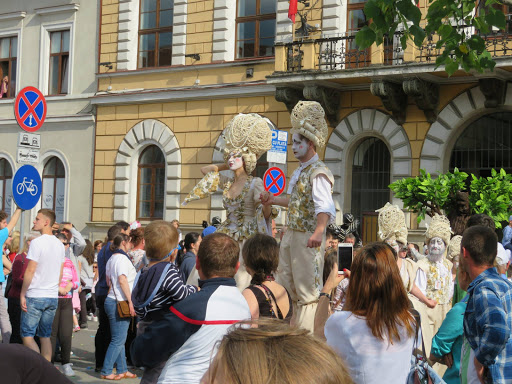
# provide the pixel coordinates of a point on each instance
(237, 266)
(465, 253)
(198, 265)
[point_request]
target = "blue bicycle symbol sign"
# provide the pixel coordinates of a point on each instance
(30, 187)
(26, 187)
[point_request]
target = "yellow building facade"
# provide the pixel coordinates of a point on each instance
(390, 111)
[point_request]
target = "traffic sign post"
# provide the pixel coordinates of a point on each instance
(26, 187)
(30, 109)
(274, 181)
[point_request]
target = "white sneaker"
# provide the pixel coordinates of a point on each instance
(95, 318)
(89, 317)
(68, 371)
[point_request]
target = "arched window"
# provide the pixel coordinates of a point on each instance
(151, 184)
(5, 186)
(370, 179)
(485, 144)
(54, 187)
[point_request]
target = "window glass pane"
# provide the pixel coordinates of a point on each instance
(3, 162)
(356, 20)
(7, 170)
(60, 168)
(164, 57)
(59, 200)
(166, 4)
(267, 28)
(145, 175)
(146, 59)
(12, 80)
(165, 40)
(54, 75)
(356, 1)
(55, 42)
(147, 42)
(144, 209)
(148, 20)
(14, 47)
(65, 41)
(148, 5)
(160, 175)
(246, 30)
(245, 48)
(8, 196)
(166, 18)
(159, 210)
(64, 74)
(4, 48)
(2, 202)
(267, 6)
(152, 155)
(266, 47)
(49, 168)
(47, 195)
(145, 192)
(246, 8)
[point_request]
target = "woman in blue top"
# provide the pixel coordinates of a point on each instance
(447, 343)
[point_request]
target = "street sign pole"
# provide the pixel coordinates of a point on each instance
(22, 229)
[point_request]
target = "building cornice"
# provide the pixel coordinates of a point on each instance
(13, 16)
(142, 96)
(184, 68)
(73, 7)
(58, 119)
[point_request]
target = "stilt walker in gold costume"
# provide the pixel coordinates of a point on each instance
(247, 136)
(310, 210)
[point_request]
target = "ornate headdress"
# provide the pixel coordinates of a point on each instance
(250, 135)
(308, 119)
(392, 223)
(454, 249)
(439, 227)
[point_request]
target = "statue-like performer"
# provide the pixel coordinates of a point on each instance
(310, 210)
(247, 136)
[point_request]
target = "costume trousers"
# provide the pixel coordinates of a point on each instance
(300, 272)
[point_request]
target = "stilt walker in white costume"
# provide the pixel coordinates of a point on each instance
(434, 276)
(248, 137)
(393, 231)
(310, 210)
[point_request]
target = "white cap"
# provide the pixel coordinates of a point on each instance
(503, 256)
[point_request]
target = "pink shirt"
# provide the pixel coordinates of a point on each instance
(69, 274)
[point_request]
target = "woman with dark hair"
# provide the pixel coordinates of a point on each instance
(120, 274)
(85, 262)
(265, 297)
(187, 262)
(137, 254)
(375, 333)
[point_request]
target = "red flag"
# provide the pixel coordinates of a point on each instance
(292, 10)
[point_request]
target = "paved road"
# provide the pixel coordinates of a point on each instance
(83, 358)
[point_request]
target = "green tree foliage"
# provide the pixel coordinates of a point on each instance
(426, 195)
(456, 23)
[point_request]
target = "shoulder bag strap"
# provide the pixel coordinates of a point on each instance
(157, 287)
(269, 292)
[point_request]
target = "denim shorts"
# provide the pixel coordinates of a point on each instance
(39, 317)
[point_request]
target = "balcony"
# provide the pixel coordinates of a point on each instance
(341, 52)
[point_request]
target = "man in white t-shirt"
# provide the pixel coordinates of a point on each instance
(39, 294)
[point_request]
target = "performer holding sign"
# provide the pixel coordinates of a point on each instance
(248, 136)
(310, 210)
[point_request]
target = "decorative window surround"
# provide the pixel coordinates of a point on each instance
(127, 38)
(224, 15)
(40, 167)
(13, 16)
(44, 49)
(73, 7)
(334, 17)
(283, 23)
(346, 137)
(179, 34)
(17, 33)
(147, 132)
(450, 123)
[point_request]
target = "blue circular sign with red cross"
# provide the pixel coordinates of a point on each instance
(274, 181)
(30, 109)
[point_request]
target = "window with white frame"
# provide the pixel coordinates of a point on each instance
(255, 28)
(5, 186)
(54, 187)
(155, 33)
(59, 63)
(8, 66)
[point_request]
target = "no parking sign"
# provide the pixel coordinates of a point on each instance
(30, 109)
(274, 181)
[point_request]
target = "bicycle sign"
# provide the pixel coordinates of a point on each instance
(26, 187)
(30, 109)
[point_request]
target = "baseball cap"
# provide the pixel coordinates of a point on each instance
(208, 231)
(503, 256)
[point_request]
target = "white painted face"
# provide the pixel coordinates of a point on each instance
(436, 247)
(235, 161)
(299, 146)
(393, 244)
